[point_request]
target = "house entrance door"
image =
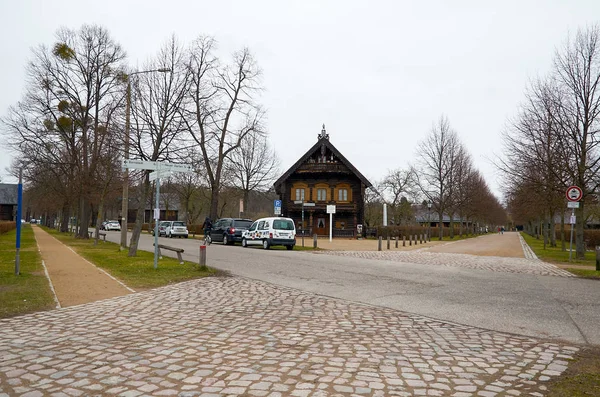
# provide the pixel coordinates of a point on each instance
(321, 224)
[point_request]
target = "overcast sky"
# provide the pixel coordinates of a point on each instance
(377, 73)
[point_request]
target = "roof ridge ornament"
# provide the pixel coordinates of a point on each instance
(323, 134)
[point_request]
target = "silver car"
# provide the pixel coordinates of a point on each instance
(176, 229)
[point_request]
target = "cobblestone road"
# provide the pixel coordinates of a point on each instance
(237, 337)
(490, 263)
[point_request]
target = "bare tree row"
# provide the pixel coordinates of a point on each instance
(445, 177)
(553, 142)
(69, 129)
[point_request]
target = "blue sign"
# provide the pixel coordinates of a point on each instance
(277, 205)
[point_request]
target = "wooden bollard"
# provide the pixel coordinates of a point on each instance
(410, 239)
(379, 243)
(420, 239)
(388, 242)
(403, 241)
(202, 261)
(315, 240)
(396, 238)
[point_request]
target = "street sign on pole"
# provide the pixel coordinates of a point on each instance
(277, 207)
(573, 204)
(574, 193)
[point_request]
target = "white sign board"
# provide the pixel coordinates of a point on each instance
(573, 220)
(157, 213)
(159, 174)
(573, 204)
(277, 207)
(331, 209)
(155, 165)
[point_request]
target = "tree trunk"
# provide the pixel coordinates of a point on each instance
(441, 227)
(139, 218)
(214, 202)
(562, 231)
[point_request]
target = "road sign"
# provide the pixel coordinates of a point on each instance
(155, 165)
(331, 209)
(574, 193)
(573, 204)
(309, 204)
(277, 207)
(573, 220)
(159, 174)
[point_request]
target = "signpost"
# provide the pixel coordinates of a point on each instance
(330, 211)
(303, 205)
(161, 169)
(574, 194)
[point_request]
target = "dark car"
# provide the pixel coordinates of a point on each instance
(229, 230)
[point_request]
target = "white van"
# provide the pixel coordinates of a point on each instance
(269, 232)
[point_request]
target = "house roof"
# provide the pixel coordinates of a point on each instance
(9, 193)
(323, 139)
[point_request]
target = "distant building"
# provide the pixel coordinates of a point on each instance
(322, 177)
(8, 201)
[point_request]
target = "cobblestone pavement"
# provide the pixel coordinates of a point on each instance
(238, 337)
(490, 263)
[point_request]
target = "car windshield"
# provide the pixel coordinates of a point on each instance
(242, 224)
(178, 224)
(283, 224)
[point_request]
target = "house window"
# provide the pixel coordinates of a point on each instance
(299, 194)
(321, 194)
(343, 195)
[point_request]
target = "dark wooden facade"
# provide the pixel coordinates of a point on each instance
(323, 176)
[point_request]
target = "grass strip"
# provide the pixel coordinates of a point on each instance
(30, 290)
(136, 272)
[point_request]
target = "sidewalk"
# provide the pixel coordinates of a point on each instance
(75, 280)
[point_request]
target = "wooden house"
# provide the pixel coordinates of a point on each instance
(322, 177)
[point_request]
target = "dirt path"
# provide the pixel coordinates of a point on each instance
(507, 245)
(75, 280)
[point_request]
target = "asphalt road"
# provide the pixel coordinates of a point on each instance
(540, 306)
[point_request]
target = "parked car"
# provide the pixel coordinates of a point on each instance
(229, 230)
(112, 225)
(176, 229)
(269, 232)
(162, 228)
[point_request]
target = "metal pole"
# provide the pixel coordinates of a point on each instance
(157, 217)
(330, 225)
(303, 226)
(19, 214)
(125, 203)
(571, 243)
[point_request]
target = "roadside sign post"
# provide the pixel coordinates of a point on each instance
(303, 205)
(330, 211)
(277, 207)
(574, 194)
(161, 169)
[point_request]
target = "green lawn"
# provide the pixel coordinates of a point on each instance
(557, 256)
(30, 291)
(136, 272)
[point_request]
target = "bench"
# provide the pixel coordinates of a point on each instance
(179, 251)
(100, 234)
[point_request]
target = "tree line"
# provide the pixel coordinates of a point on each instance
(186, 106)
(552, 143)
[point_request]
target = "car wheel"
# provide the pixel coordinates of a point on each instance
(289, 247)
(266, 244)
(244, 243)
(225, 240)
(170, 235)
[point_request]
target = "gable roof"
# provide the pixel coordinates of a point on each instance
(9, 193)
(317, 146)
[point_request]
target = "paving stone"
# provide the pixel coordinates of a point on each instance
(233, 336)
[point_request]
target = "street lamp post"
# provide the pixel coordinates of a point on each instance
(125, 202)
(429, 220)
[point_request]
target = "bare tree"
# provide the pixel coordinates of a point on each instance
(223, 110)
(577, 75)
(398, 186)
(254, 166)
(433, 175)
(158, 128)
(63, 123)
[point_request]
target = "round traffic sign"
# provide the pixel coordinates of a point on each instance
(574, 193)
